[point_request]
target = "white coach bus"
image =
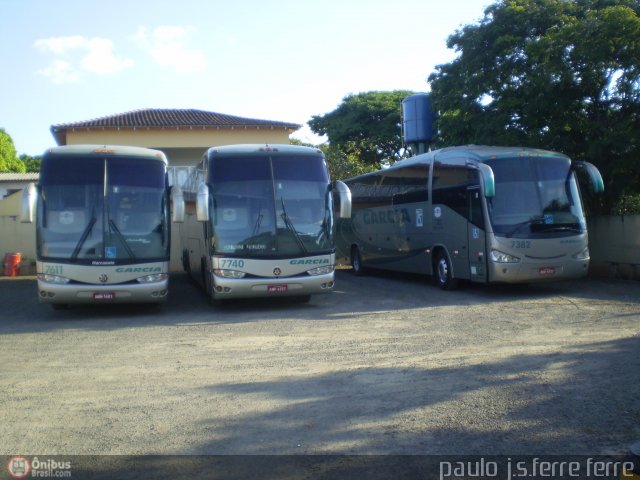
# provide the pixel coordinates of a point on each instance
(478, 213)
(102, 225)
(260, 222)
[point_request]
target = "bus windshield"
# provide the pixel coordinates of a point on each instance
(275, 206)
(535, 197)
(109, 210)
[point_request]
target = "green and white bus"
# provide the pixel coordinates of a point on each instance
(102, 225)
(478, 213)
(260, 222)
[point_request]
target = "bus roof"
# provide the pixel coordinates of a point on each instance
(116, 150)
(262, 149)
(479, 153)
(482, 153)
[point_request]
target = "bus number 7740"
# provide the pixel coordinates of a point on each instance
(232, 263)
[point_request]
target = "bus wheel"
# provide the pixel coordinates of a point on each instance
(356, 261)
(207, 284)
(443, 276)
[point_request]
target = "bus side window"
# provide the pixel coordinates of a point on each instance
(450, 182)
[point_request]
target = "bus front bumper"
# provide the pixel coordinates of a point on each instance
(154, 292)
(227, 288)
(529, 272)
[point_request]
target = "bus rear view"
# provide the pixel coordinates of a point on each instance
(102, 225)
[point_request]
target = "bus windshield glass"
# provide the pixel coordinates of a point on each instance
(535, 197)
(275, 206)
(110, 210)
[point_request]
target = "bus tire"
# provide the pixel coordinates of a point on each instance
(356, 261)
(207, 284)
(443, 276)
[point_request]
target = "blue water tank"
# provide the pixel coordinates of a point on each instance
(417, 119)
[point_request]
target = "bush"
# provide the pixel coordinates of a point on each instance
(627, 205)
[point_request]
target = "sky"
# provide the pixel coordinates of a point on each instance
(74, 60)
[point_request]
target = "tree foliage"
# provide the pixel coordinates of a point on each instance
(555, 74)
(345, 163)
(340, 164)
(365, 126)
(32, 164)
(9, 161)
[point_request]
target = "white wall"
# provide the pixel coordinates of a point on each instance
(614, 244)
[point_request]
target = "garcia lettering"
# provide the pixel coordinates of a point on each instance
(387, 216)
(316, 261)
(138, 269)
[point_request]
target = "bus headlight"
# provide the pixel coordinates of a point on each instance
(583, 254)
(156, 277)
(321, 270)
(228, 273)
(501, 257)
(53, 278)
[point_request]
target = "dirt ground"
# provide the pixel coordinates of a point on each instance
(387, 364)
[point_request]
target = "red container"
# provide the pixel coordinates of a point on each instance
(12, 264)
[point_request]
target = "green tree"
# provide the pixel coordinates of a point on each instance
(365, 125)
(340, 164)
(345, 163)
(32, 164)
(556, 74)
(9, 161)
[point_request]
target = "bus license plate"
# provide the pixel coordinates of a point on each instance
(104, 296)
(547, 271)
(277, 288)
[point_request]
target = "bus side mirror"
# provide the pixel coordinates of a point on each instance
(488, 180)
(28, 207)
(344, 195)
(588, 170)
(177, 199)
(202, 203)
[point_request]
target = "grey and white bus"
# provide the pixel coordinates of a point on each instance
(102, 225)
(478, 213)
(260, 223)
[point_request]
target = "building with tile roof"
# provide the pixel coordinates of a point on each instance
(183, 134)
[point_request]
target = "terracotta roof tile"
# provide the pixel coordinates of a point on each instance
(157, 118)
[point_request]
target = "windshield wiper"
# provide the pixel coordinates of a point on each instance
(562, 228)
(291, 227)
(112, 226)
(518, 226)
(256, 227)
(83, 238)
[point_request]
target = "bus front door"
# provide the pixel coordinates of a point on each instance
(476, 236)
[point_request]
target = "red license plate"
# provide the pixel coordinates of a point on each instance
(547, 271)
(104, 296)
(277, 288)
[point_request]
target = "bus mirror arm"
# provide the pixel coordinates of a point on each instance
(345, 198)
(28, 207)
(489, 181)
(591, 172)
(177, 198)
(202, 203)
